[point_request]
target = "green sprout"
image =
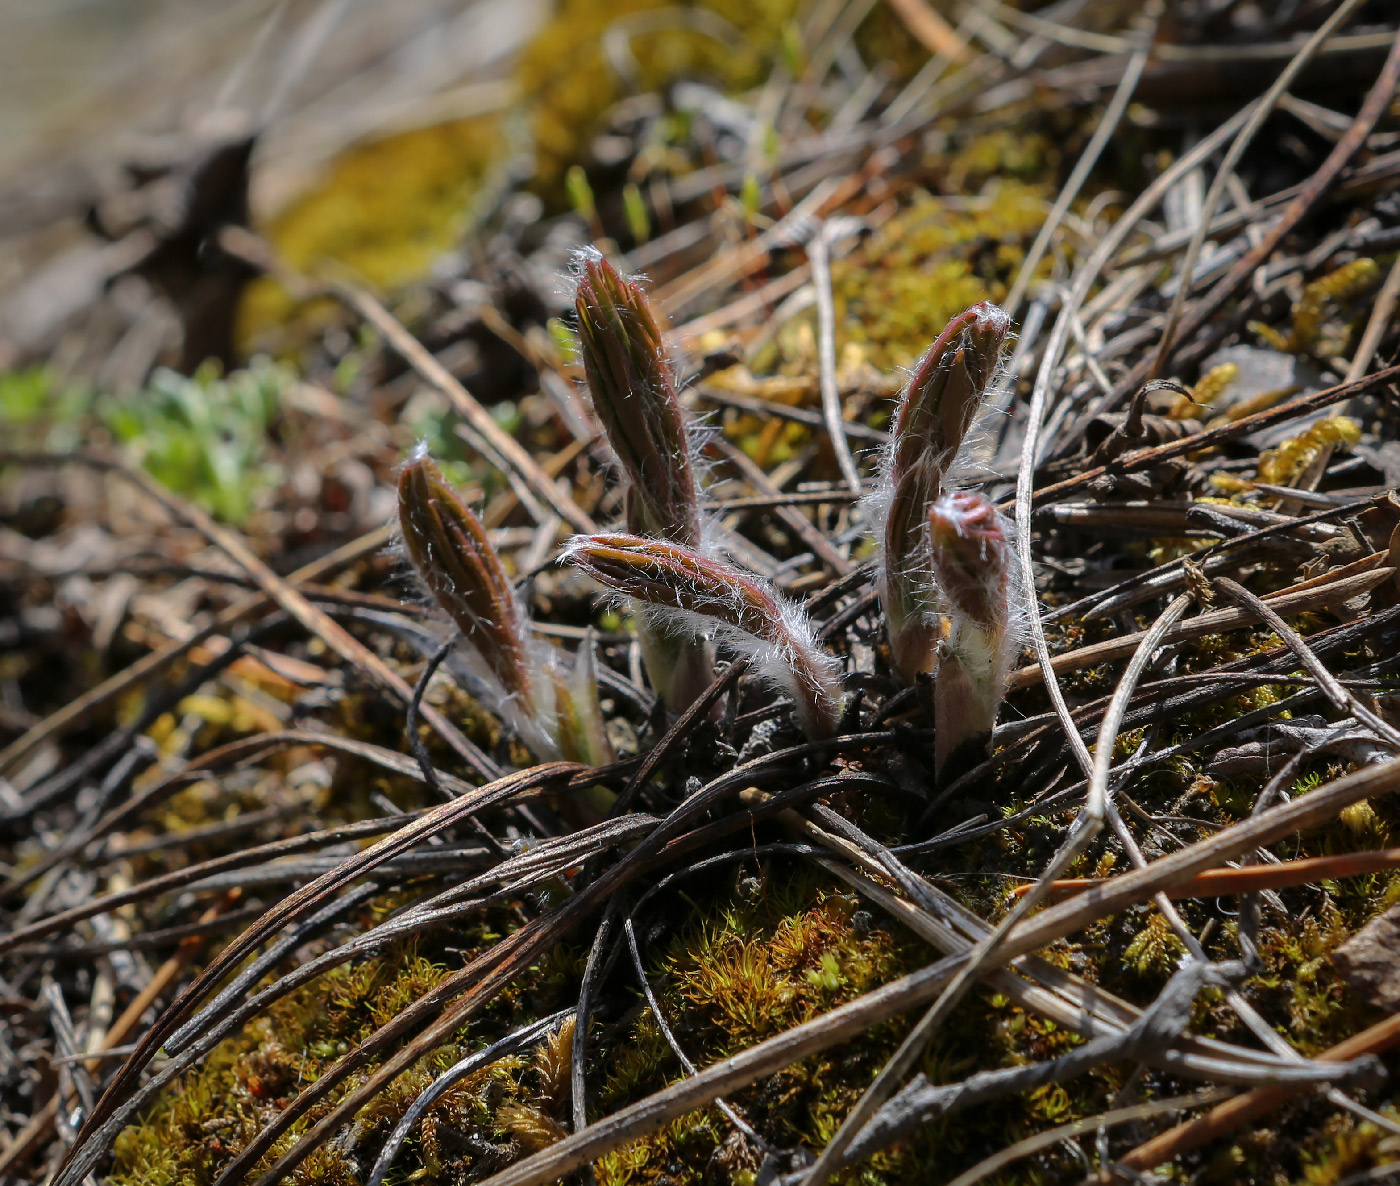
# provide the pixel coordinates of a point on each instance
(204, 436)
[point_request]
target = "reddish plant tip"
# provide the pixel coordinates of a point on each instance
(971, 557)
(634, 395)
(454, 558)
(948, 386)
(672, 577)
(936, 411)
(685, 592)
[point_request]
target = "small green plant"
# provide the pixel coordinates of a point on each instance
(42, 412)
(205, 436)
(24, 394)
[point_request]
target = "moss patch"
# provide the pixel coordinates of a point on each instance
(930, 263)
(386, 210)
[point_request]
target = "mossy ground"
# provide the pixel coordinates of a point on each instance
(734, 960)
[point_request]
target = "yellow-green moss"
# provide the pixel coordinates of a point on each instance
(202, 1121)
(386, 210)
(748, 968)
(570, 84)
(897, 292)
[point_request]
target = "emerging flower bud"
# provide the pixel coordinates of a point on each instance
(634, 396)
(973, 564)
(946, 391)
(971, 558)
(936, 411)
(686, 592)
(552, 708)
(456, 561)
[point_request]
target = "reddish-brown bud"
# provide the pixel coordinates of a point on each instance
(936, 411)
(634, 395)
(971, 558)
(457, 562)
(685, 592)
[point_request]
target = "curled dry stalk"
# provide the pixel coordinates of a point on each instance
(554, 709)
(684, 593)
(633, 390)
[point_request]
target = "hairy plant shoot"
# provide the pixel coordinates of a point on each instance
(683, 592)
(633, 392)
(936, 411)
(973, 563)
(552, 709)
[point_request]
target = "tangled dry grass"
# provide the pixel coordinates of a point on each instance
(285, 900)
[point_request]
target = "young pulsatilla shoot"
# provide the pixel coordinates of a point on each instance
(552, 708)
(633, 390)
(936, 410)
(684, 593)
(973, 563)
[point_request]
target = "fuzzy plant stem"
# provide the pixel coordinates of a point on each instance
(683, 592)
(936, 411)
(458, 564)
(553, 709)
(633, 390)
(972, 562)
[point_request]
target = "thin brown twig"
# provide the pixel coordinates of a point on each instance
(1338, 17)
(284, 594)
(1210, 437)
(929, 27)
(1220, 883)
(1229, 1116)
(78, 711)
(1374, 106)
(1342, 697)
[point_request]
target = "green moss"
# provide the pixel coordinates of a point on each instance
(385, 211)
(896, 293)
(1154, 950)
(747, 969)
(484, 1121)
(569, 83)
